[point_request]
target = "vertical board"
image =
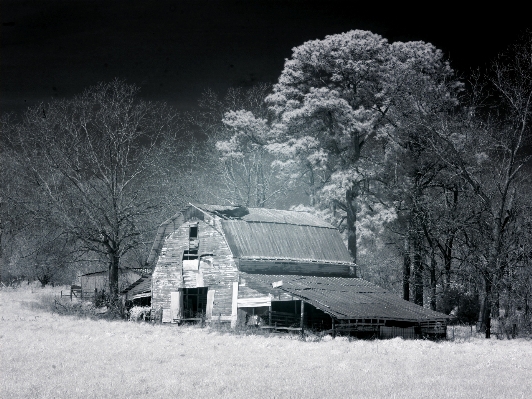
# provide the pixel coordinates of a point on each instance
(210, 301)
(234, 303)
(176, 303)
(167, 318)
(199, 279)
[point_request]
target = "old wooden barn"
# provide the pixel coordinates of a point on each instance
(271, 268)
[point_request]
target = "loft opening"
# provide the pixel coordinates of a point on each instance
(190, 254)
(193, 232)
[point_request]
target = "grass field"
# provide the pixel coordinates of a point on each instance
(46, 355)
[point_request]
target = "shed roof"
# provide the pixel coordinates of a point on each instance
(344, 298)
(141, 286)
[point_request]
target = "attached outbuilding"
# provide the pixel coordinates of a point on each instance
(276, 269)
(97, 282)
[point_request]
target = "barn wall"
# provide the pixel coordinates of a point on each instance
(217, 272)
(167, 276)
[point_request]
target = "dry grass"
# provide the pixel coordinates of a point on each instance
(46, 355)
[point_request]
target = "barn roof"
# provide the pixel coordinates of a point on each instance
(289, 241)
(265, 234)
(261, 233)
(264, 215)
(343, 298)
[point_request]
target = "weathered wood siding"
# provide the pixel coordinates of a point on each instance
(217, 269)
(98, 282)
(167, 276)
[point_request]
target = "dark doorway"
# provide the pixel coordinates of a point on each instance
(194, 302)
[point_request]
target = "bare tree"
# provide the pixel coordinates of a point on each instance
(489, 153)
(93, 160)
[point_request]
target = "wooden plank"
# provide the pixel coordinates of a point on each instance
(234, 302)
(210, 301)
(254, 302)
(199, 279)
(167, 318)
(176, 304)
(281, 328)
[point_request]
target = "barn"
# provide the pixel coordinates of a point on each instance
(276, 269)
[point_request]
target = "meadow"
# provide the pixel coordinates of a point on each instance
(48, 355)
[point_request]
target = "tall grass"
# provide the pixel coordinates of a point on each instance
(48, 355)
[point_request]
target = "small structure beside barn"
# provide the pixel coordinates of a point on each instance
(98, 282)
(271, 268)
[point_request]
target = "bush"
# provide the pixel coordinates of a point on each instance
(138, 313)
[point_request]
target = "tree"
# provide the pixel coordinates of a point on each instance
(488, 150)
(93, 160)
(236, 130)
(335, 102)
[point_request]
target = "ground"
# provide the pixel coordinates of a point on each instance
(46, 355)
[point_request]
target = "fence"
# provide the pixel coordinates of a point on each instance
(498, 331)
(74, 292)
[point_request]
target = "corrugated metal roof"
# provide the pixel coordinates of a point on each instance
(344, 298)
(292, 241)
(267, 234)
(265, 215)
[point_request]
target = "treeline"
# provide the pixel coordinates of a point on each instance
(426, 174)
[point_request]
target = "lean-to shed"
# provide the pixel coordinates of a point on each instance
(273, 268)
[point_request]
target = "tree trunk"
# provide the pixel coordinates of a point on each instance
(447, 262)
(485, 310)
(406, 269)
(114, 260)
(433, 264)
(418, 274)
(417, 247)
(351, 208)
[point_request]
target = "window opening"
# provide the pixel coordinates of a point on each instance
(193, 233)
(190, 254)
(193, 241)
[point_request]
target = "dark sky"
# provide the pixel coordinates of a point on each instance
(176, 49)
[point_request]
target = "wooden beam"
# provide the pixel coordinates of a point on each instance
(234, 303)
(302, 315)
(176, 303)
(210, 302)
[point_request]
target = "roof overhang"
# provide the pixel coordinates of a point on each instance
(343, 298)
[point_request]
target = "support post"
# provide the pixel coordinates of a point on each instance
(270, 315)
(333, 328)
(301, 324)
(234, 308)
